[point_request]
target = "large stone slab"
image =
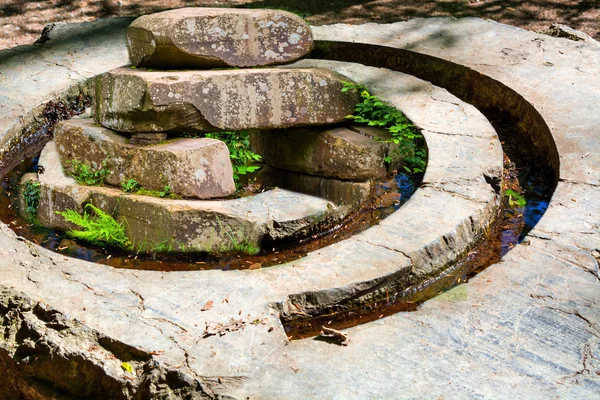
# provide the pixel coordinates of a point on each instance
(338, 153)
(217, 37)
(131, 100)
(198, 168)
(185, 225)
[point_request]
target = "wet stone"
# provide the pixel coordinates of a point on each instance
(132, 100)
(198, 168)
(333, 153)
(215, 37)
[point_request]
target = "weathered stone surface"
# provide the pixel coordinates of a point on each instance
(147, 138)
(70, 54)
(198, 168)
(217, 37)
(354, 194)
(129, 100)
(49, 346)
(185, 225)
(564, 31)
(528, 325)
(392, 150)
(337, 153)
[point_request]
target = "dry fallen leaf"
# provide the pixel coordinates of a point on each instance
(207, 306)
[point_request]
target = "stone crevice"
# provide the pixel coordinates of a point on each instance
(593, 327)
(575, 182)
(459, 134)
(441, 188)
(360, 239)
(90, 288)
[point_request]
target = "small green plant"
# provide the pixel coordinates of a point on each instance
(235, 245)
(240, 154)
(99, 228)
(133, 186)
(375, 112)
(165, 193)
(238, 246)
(85, 175)
(31, 195)
(515, 200)
(130, 186)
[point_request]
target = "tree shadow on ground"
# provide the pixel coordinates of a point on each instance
(27, 18)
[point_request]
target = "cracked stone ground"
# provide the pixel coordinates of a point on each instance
(527, 327)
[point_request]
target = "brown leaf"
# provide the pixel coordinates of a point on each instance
(207, 306)
(255, 266)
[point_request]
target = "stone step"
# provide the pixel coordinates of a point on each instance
(340, 192)
(185, 225)
(132, 100)
(217, 37)
(198, 168)
(337, 153)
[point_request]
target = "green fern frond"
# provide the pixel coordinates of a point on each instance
(98, 227)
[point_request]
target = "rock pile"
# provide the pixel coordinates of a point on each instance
(140, 115)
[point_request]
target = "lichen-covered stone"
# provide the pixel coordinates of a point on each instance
(131, 100)
(198, 168)
(333, 153)
(217, 37)
(185, 225)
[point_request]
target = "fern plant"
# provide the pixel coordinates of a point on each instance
(31, 195)
(240, 154)
(375, 112)
(98, 228)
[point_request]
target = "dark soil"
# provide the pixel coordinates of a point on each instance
(21, 22)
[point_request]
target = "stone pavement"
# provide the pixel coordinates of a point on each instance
(527, 327)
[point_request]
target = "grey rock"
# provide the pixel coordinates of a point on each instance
(198, 168)
(217, 37)
(337, 153)
(131, 100)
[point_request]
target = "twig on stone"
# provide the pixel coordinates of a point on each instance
(338, 336)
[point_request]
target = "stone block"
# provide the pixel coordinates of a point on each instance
(186, 225)
(217, 37)
(332, 153)
(198, 168)
(132, 100)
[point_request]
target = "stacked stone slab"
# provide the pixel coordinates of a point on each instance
(140, 113)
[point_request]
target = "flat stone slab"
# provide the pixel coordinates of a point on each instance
(217, 37)
(337, 153)
(198, 168)
(184, 225)
(528, 325)
(131, 100)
